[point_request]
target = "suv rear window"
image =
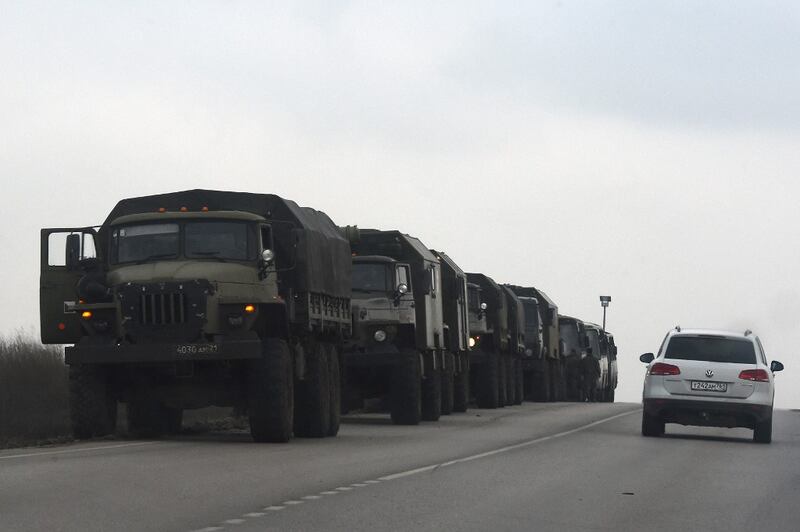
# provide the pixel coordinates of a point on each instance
(711, 349)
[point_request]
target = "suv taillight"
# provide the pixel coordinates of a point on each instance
(659, 368)
(758, 375)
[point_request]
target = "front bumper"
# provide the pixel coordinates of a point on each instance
(162, 352)
(707, 413)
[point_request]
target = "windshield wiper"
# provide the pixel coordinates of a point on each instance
(212, 254)
(155, 256)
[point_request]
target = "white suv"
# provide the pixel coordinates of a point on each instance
(709, 378)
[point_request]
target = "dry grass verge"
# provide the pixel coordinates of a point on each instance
(34, 392)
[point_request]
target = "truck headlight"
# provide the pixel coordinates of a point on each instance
(380, 335)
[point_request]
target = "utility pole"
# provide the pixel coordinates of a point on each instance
(604, 301)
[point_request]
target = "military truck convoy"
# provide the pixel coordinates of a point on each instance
(197, 298)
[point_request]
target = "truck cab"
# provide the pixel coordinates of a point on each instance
(575, 344)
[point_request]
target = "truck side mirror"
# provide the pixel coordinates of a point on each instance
(73, 251)
(647, 358)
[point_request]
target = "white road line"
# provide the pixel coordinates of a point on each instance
(503, 449)
(329, 493)
(371, 481)
(358, 485)
(292, 503)
(312, 497)
(208, 529)
(81, 450)
(275, 508)
(255, 514)
(344, 488)
(234, 521)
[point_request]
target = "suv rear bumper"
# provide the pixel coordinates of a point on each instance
(707, 413)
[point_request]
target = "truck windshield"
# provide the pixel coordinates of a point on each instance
(224, 240)
(594, 342)
(531, 315)
(711, 349)
(371, 277)
(569, 334)
(473, 298)
(231, 240)
(143, 242)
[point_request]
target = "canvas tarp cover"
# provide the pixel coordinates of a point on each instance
(322, 261)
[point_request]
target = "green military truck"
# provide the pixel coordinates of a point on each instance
(489, 341)
(553, 348)
(534, 362)
(598, 348)
(398, 345)
(196, 298)
(575, 345)
(608, 344)
(455, 370)
(516, 347)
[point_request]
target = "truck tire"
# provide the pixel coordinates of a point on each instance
(610, 396)
(432, 395)
(520, 389)
(146, 415)
(461, 387)
(487, 377)
(93, 410)
(542, 382)
(652, 426)
(448, 378)
(270, 393)
(312, 411)
(335, 388)
(762, 432)
(501, 380)
(406, 391)
(173, 420)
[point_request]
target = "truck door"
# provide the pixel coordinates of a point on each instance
(62, 252)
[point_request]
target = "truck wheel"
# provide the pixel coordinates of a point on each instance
(432, 394)
(312, 412)
(335, 388)
(93, 410)
(270, 393)
(652, 425)
(461, 387)
(172, 419)
(487, 383)
(146, 418)
(762, 433)
(519, 391)
(542, 380)
(448, 378)
(610, 395)
(506, 389)
(406, 392)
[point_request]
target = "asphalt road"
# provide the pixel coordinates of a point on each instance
(530, 467)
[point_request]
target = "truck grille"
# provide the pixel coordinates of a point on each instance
(162, 308)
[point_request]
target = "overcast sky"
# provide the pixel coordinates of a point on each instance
(645, 150)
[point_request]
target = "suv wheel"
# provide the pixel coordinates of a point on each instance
(652, 425)
(762, 433)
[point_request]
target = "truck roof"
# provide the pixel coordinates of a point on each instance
(317, 255)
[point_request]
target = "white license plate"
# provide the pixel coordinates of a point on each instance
(196, 349)
(707, 386)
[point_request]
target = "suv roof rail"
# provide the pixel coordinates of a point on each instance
(748, 332)
(678, 328)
